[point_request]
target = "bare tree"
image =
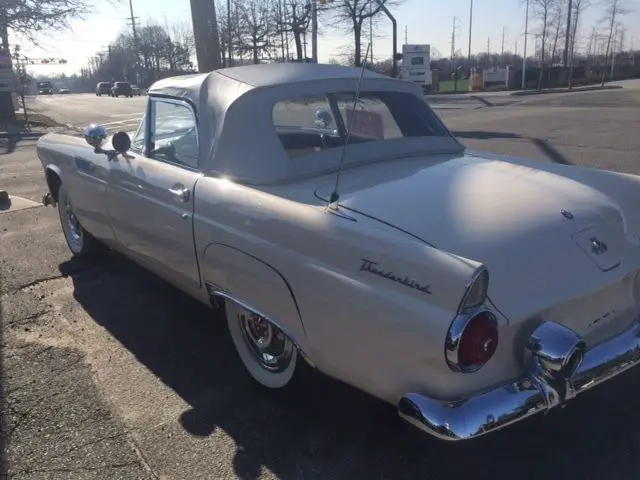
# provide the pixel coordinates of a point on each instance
(32, 18)
(256, 29)
(294, 16)
(578, 7)
(614, 10)
(543, 9)
(353, 13)
(556, 24)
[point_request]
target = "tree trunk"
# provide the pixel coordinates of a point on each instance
(542, 55)
(297, 36)
(573, 46)
(254, 47)
(357, 30)
(606, 55)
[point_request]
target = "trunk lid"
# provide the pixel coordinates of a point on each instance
(545, 239)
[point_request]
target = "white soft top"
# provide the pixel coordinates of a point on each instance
(234, 107)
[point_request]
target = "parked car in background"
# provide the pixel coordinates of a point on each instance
(121, 89)
(45, 88)
(103, 88)
(355, 233)
(136, 90)
(63, 90)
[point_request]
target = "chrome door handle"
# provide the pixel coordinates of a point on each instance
(180, 192)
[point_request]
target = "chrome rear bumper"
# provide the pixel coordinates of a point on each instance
(558, 368)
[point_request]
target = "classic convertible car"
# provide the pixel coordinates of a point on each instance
(342, 225)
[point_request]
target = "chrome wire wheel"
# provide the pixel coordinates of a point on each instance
(73, 231)
(271, 348)
(268, 354)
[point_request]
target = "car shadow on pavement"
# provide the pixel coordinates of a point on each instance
(543, 145)
(322, 428)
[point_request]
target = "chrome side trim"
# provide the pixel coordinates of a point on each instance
(216, 290)
(554, 375)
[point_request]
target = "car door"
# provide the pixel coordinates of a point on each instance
(151, 192)
(87, 187)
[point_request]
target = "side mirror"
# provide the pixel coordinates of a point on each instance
(95, 135)
(121, 142)
(323, 119)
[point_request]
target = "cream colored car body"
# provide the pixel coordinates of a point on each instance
(256, 225)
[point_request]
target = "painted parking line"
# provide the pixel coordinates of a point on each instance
(120, 115)
(130, 120)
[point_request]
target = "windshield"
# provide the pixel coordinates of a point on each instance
(44, 84)
(311, 124)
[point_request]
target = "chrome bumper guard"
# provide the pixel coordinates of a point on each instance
(558, 368)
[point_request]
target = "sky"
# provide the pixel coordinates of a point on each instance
(423, 21)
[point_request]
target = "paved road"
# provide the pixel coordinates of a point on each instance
(111, 373)
(79, 110)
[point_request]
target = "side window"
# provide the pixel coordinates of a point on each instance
(137, 142)
(174, 134)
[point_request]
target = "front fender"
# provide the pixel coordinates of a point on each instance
(235, 274)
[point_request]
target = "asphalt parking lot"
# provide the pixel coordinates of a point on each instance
(110, 373)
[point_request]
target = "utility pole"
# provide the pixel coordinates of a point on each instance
(567, 37)
(133, 23)
(281, 19)
(453, 55)
(371, 30)
(406, 35)
(135, 40)
(524, 54)
(4, 27)
(110, 63)
(453, 40)
(470, 25)
(229, 39)
(205, 32)
(286, 33)
(314, 31)
(502, 46)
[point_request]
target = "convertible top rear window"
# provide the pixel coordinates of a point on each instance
(306, 125)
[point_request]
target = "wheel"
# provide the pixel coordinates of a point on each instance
(81, 243)
(269, 356)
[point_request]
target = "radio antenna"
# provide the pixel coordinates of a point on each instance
(335, 196)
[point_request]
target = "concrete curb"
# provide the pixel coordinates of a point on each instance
(525, 93)
(22, 135)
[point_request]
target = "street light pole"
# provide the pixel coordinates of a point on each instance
(524, 53)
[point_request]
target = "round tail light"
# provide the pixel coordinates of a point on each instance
(473, 340)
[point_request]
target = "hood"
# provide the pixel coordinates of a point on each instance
(543, 237)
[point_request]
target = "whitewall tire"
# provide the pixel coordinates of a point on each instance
(81, 243)
(269, 356)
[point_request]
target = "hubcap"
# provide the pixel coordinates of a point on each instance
(73, 226)
(270, 347)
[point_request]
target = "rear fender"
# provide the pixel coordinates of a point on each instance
(238, 276)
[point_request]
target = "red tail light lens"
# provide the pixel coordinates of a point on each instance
(472, 341)
(479, 341)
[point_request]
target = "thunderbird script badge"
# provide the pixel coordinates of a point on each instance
(370, 266)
